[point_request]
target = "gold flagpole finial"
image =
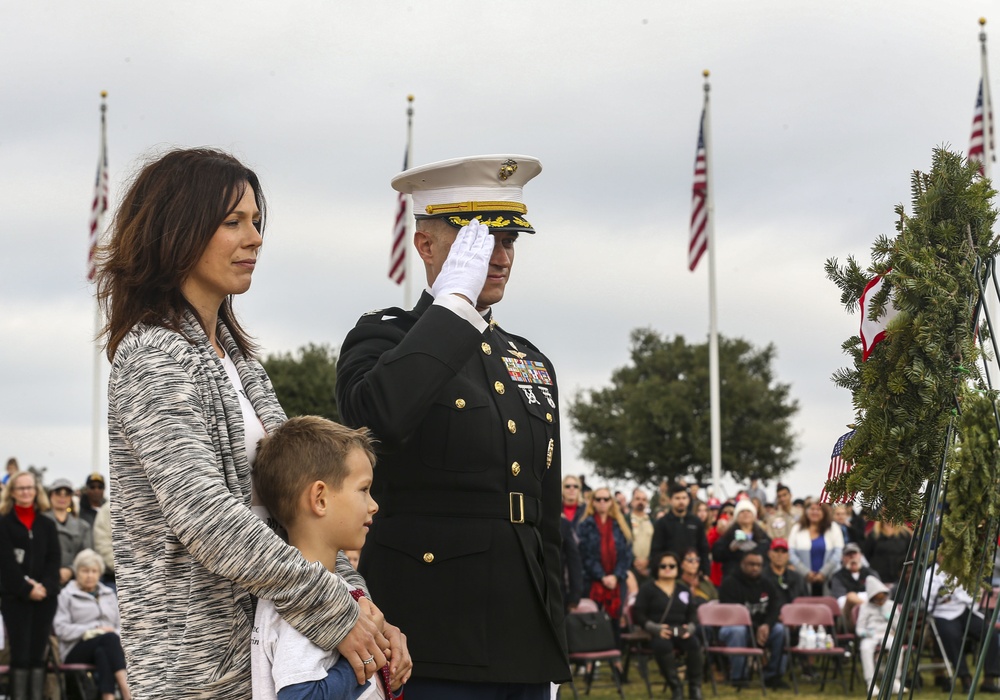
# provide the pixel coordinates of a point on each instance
(982, 21)
(409, 98)
(104, 93)
(706, 73)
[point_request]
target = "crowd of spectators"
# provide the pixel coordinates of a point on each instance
(56, 592)
(752, 551)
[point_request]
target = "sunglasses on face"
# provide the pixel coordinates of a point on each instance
(668, 566)
(602, 499)
(62, 492)
(780, 550)
(571, 486)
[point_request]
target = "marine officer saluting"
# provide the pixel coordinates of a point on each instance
(464, 552)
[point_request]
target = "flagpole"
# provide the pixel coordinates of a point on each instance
(408, 216)
(713, 330)
(96, 422)
(988, 155)
(992, 301)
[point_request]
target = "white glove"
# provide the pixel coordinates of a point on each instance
(468, 262)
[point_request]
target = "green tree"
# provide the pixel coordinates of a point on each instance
(305, 382)
(653, 422)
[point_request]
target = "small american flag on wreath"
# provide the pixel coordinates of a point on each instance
(838, 466)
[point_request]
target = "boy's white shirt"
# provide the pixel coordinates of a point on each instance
(281, 656)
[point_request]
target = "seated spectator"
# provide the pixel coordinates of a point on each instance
(694, 488)
(851, 524)
(88, 626)
(756, 491)
(606, 553)
(886, 548)
(815, 546)
(102, 544)
(701, 512)
(74, 533)
(665, 608)
(847, 585)
(746, 535)
(572, 566)
(642, 534)
(748, 587)
(679, 529)
(572, 500)
(873, 621)
(695, 579)
(92, 498)
(714, 533)
(12, 469)
(788, 582)
(950, 606)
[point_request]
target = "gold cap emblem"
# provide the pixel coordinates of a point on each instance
(507, 168)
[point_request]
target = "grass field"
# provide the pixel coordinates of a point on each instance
(635, 689)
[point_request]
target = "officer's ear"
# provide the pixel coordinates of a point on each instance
(424, 241)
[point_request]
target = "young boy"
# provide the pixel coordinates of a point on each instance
(314, 477)
(873, 619)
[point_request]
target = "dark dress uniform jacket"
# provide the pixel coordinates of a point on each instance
(468, 446)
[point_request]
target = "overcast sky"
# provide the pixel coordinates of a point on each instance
(820, 112)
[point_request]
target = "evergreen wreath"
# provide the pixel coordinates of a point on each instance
(924, 376)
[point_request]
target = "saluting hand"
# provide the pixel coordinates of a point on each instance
(464, 271)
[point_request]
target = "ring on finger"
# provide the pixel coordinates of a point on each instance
(369, 660)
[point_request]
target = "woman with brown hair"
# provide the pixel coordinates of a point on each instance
(606, 552)
(29, 580)
(815, 546)
(187, 405)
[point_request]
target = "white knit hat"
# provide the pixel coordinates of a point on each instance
(742, 505)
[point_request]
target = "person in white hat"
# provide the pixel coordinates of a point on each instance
(464, 552)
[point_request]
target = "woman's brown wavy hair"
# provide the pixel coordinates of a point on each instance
(164, 223)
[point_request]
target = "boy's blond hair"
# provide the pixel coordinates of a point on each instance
(303, 450)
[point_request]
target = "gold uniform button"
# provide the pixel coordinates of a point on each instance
(487, 349)
(428, 557)
(515, 469)
(499, 387)
(548, 417)
(459, 403)
(512, 426)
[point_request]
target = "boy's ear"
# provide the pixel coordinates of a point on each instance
(317, 496)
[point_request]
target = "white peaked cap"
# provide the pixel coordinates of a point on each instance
(490, 188)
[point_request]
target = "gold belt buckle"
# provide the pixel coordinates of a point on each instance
(520, 502)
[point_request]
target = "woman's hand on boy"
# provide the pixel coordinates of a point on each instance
(400, 663)
(364, 642)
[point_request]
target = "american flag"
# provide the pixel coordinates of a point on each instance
(100, 204)
(838, 466)
(977, 143)
(699, 200)
(397, 256)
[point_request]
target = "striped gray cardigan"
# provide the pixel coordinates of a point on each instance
(188, 550)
